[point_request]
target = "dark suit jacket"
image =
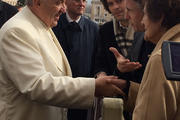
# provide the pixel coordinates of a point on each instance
(105, 60)
(78, 45)
(6, 12)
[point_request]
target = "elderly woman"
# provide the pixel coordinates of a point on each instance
(159, 98)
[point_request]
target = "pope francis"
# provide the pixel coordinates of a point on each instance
(35, 76)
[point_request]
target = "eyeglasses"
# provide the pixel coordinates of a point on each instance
(79, 1)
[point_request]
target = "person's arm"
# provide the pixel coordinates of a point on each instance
(157, 97)
(25, 67)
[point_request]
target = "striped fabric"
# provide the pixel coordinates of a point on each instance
(123, 36)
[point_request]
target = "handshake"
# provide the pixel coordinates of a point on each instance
(109, 86)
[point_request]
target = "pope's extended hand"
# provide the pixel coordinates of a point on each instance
(108, 86)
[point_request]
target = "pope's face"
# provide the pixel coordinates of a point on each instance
(51, 11)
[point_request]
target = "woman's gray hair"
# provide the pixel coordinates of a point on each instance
(29, 2)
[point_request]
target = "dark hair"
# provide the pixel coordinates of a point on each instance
(170, 9)
(106, 7)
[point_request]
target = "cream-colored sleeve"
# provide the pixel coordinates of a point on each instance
(157, 97)
(23, 65)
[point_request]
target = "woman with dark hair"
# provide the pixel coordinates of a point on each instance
(159, 98)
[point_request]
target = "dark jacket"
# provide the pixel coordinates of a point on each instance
(106, 61)
(6, 12)
(79, 45)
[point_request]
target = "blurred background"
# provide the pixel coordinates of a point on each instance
(94, 10)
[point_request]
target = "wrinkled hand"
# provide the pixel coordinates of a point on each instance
(101, 74)
(122, 84)
(123, 64)
(108, 86)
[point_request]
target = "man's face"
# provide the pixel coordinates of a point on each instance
(134, 14)
(50, 11)
(75, 8)
(117, 8)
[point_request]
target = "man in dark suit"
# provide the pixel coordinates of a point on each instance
(116, 33)
(6, 12)
(77, 36)
(132, 62)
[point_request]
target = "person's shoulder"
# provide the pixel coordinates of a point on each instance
(62, 19)
(9, 8)
(139, 34)
(62, 23)
(19, 23)
(107, 25)
(138, 37)
(155, 57)
(62, 16)
(89, 22)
